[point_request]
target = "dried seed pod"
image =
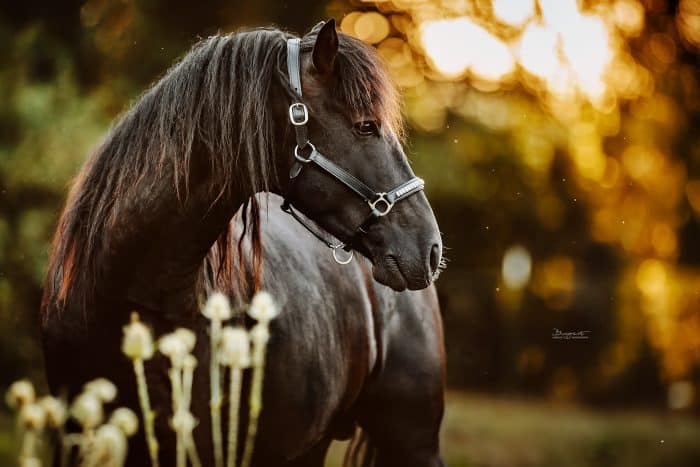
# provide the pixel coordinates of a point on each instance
(20, 393)
(87, 410)
(126, 420)
(183, 422)
(138, 341)
(217, 307)
(32, 417)
(235, 347)
(55, 411)
(263, 308)
(103, 388)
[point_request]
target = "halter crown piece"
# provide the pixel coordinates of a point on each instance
(380, 203)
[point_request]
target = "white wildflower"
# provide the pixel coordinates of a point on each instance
(126, 420)
(138, 345)
(217, 307)
(235, 347)
(183, 422)
(32, 416)
(174, 347)
(103, 388)
(187, 337)
(138, 341)
(55, 411)
(109, 443)
(263, 308)
(87, 410)
(20, 393)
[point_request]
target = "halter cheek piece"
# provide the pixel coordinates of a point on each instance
(380, 203)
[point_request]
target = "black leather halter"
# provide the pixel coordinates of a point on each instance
(380, 203)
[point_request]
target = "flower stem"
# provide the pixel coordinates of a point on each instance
(215, 401)
(191, 447)
(255, 401)
(148, 415)
(234, 404)
(192, 452)
(64, 449)
(29, 439)
(176, 384)
(187, 378)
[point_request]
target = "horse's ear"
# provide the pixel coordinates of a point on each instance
(325, 48)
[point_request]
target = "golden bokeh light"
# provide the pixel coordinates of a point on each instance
(571, 49)
(516, 267)
(455, 46)
(578, 87)
(538, 51)
(513, 12)
(586, 46)
(652, 278)
(560, 14)
(628, 15)
(554, 281)
(371, 27)
(688, 20)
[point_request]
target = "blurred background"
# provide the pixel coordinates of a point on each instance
(558, 142)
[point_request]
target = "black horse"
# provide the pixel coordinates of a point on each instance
(145, 210)
(345, 351)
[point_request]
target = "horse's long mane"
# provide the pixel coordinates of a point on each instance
(217, 98)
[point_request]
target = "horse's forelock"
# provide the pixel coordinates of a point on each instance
(363, 82)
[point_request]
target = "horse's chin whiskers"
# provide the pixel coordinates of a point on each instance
(442, 265)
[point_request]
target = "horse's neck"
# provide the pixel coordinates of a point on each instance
(157, 246)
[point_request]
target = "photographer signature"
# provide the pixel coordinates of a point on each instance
(569, 335)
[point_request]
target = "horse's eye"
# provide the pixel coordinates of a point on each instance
(367, 128)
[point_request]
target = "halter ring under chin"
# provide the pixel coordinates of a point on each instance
(340, 246)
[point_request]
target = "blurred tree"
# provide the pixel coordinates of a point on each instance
(558, 131)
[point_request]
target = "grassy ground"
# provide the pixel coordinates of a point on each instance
(490, 432)
(487, 432)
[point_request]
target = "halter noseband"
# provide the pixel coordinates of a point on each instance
(380, 203)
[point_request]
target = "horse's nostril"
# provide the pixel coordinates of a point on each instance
(434, 257)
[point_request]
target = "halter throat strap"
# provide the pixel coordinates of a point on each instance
(305, 153)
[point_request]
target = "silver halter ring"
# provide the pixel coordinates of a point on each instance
(381, 198)
(335, 249)
(301, 158)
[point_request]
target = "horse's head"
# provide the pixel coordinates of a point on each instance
(354, 121)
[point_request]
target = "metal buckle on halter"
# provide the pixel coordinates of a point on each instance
(340, 246)
(294, 110)
(302, 159)
(381, 198)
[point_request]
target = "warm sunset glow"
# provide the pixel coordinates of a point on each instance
(513, 12)
(586, 46)
(537, 51)
(455, 46)
(583, 80)
(629, 16)
(689, 21)
(568, 46)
